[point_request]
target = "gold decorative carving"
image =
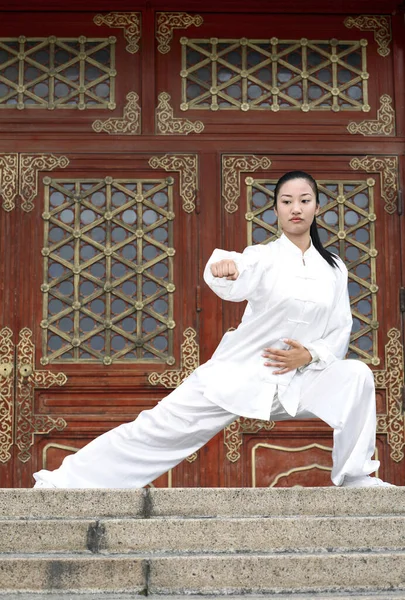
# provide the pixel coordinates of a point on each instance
(383, 125)
(187, 166)
(129, 124)
(233, 434)
(130, 22)
(8, 180)
(167, 21)
(30, 164)
(168, 124)
(391, 379)
(6, 393)
(29, 424)
(377, 23)
(232, 166)
(387, 167)
(193, 457)
(190, 359)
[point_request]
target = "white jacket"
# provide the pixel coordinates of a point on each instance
(290, 295)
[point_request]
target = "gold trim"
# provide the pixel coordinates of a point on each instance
(233, 434)
(387, 167)
(232, 166)
(168, 124)
(165, 24)
(29, 424)
(391, 379)
(290, 471)
(129, 124)
(30, 165)
(193, 457)
(187, 166)
(58, 446)
(190, 360)
(377, 23)
(8, 180)
(383, 125)
(6, 394)
(130, 22)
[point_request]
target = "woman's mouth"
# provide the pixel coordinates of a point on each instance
(296, 220)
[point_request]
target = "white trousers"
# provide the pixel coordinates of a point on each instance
(134, 454)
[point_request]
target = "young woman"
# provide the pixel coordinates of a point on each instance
(285, 360)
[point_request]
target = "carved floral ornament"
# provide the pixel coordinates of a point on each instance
(166, 22)
(19, 425)
(384, 124)
(19, 176)
(187, 166)
(381, 26)
(168, 124)
(232, 167)
(130, 22)
(129, 124)
(387, 167)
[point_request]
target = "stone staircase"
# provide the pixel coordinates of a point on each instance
(312, 543)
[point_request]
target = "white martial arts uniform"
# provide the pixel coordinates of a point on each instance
(290, 295)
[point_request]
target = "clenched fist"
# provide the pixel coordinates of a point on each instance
(225, 268)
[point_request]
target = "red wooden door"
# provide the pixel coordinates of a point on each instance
(132, 144)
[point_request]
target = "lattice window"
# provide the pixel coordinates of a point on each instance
(242, 74)
(57, 72)
(346, 224)
(108, 271)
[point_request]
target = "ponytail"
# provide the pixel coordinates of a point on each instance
(316, 241)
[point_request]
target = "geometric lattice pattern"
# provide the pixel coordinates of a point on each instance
(108, 257)
(57, 73)
(346, 224)
(242, 74)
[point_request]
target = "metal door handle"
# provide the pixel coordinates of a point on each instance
(5, 370)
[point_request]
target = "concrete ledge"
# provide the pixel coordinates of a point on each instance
(246, 574)
(200, 502)
(72, 574)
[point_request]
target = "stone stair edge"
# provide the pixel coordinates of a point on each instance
(202, 502)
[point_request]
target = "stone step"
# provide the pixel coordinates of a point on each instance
(200, 502)
(387, 595)
(209, 535)
(206, 574)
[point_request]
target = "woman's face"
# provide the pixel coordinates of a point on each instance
(296, 207)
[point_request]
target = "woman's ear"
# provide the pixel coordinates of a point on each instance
(317, 210)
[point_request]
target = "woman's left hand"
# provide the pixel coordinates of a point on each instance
(287, 360)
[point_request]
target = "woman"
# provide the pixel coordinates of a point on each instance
(284, 360)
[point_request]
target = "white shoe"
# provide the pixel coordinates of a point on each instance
(365, 481)
(44, 484)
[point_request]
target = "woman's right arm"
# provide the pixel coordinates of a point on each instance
(250, 267)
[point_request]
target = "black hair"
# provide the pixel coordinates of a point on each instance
(328, 256)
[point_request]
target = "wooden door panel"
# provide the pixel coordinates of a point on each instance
(108, 297)
(70, 74)
(261, 73)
